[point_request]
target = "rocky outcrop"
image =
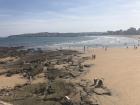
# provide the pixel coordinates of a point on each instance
(60, 69)
(4, 103)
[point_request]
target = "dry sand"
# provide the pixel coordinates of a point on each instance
(11, 81)
(120, 68)
(17, 79)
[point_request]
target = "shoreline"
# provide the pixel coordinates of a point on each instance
(98, 41)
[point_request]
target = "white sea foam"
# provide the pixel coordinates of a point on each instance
(75, 42)
(101, 41)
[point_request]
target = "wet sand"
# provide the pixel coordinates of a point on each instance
(120, 68)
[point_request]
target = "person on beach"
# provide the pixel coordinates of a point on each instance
(84, 48)
(93, 56)
(105, 48)
(135, 47)
(98, 83)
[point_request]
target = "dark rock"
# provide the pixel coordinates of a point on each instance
(75, 73)
(87, 65)
(89, 101)
(102, 91)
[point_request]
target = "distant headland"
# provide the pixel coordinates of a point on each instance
(130, 31)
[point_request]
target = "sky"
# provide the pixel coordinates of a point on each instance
(31, 16)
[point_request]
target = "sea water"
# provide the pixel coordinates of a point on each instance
(65, 42)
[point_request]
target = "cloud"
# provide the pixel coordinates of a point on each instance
(70, 16)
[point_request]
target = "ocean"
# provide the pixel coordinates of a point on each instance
(67, 42)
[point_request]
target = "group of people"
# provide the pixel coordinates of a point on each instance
(135, 47)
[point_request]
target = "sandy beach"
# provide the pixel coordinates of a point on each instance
(121, 72)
